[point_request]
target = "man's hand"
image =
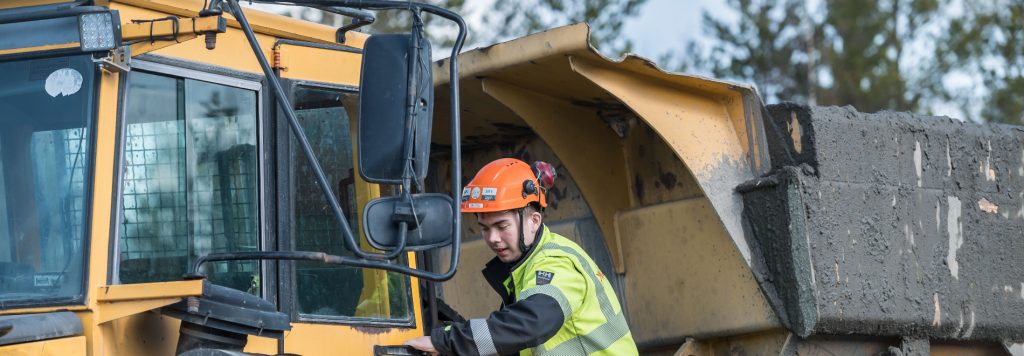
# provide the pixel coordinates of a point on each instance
(422, 343)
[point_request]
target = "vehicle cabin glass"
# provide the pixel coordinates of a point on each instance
(47, 107)
(190, 180)
(330, 291)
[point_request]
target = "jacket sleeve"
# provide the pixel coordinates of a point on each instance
(537, 315)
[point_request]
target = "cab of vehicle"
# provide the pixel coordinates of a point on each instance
(138, 136)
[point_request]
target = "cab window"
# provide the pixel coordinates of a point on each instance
(330, 292)
(190, 180)
(47, 107)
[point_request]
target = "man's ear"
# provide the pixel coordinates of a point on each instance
(537, 218)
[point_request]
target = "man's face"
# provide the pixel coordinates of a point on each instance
(501, 232)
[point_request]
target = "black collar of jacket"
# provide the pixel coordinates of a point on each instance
(496, 272)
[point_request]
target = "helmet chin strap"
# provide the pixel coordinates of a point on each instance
(522, 234)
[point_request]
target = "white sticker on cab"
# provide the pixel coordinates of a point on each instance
(64, 81)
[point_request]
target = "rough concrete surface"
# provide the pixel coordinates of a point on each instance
(891, 224)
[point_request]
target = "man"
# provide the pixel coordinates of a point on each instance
(554, 298)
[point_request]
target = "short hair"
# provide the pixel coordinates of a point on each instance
(534, 207)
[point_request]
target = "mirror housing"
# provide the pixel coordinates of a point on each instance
(393, 117)
(433, 212)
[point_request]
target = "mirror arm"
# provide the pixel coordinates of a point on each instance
(293, 122)
(367, 260)
(322, 257)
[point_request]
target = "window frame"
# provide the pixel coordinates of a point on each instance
(163, 66)
(287, 272)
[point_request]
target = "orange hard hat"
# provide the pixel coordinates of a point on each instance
(505, 184)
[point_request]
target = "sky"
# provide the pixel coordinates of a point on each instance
(666, 25)
(660, 26)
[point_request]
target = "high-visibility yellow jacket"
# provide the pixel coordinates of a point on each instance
(555, 301)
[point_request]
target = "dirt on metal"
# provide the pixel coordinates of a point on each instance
(892, 224)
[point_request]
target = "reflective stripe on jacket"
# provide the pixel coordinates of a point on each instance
(554, 302)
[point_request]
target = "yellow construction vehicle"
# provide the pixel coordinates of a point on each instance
(161, 192)
(185, 177)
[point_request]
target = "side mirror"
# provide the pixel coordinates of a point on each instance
(394, 142)
(396, 99)
(429, 219)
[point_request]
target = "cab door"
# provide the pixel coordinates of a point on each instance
(334, 309)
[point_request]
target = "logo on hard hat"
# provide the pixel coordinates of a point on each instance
(476, 193)
(490, 194)
(465, 194)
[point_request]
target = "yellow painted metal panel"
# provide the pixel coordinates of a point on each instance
(103, 181)
(584, 144)
(102, 196)
(106, 312)
(697, 126)
(468, 291)
(658, 174)
(326, 339)
(55, 347)
(262, 22)
(554, 42)
(157, 29)
(39, 48)
(682, 118)
(89, 329)
(141, 334)
(336, 339)
(704, 121)
(232, 50)
(321, 65)
(173, 289)
(685, 277)
(151, 36)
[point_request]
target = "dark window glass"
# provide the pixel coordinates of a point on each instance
(329, 290)
(190, 180)
(45, 109)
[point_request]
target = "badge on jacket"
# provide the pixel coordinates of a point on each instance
(544, 277)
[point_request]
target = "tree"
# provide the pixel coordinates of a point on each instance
(868, 42)
(767, 45)
(846, 52)
(606, 17)
(986, 41)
